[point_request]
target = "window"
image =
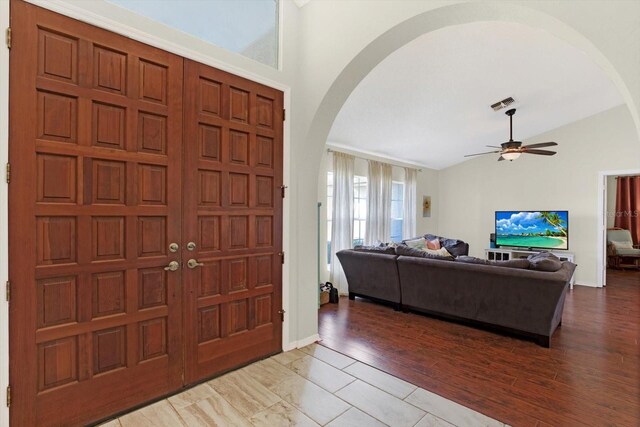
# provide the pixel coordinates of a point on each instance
(248, 27)
(397, 209)
(359, 211)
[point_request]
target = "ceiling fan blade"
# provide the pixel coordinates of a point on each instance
(493, 146)
(480, 154)
(542, 144)
(501, 158)
(539, 152)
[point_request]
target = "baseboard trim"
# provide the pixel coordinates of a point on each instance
(588, 285)
(301, 343)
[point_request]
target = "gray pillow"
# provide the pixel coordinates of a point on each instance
(513, 263)
(404, 250)
(544, 261)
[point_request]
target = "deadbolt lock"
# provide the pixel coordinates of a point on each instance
(173, 247)
(191, 246)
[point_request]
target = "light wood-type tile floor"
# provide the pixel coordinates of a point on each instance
(312, 386)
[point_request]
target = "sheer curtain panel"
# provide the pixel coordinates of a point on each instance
(342, 216)
(378, 204)
(410, 208)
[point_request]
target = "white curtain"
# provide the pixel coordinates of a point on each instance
(378, 228)
(342, 216)
(410, 208)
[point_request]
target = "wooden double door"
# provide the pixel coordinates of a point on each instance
(145, 221)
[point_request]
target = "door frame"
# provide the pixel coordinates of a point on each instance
(602, 220)
(108, 21)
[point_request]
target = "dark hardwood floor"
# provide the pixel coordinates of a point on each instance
(589, 377)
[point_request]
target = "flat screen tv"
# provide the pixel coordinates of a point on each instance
(533, 229)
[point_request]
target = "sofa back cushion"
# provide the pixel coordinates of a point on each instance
(513, 263)
(375, 249)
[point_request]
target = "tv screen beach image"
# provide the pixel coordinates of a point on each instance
(529, 229)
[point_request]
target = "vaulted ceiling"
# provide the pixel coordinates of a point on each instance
(429, 102)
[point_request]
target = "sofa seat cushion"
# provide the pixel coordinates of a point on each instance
(628, 252)
(544, 261)
(441, 253)
(513, 263)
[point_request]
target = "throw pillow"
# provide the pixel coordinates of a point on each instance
(544, 261)
(622, 245)
(433, 244)
(403, 250)
(419, 243)
(442, 252)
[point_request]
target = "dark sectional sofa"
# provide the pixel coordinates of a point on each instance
(518, 300)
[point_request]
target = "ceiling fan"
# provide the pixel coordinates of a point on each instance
(511, 149)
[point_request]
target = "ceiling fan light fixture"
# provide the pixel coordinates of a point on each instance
(512, 155)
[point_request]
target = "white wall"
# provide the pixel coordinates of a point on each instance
(611, 200)
(472, 191)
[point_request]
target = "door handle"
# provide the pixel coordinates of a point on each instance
(173, 266)
(192, 263)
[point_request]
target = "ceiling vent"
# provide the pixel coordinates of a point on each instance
(502, 104)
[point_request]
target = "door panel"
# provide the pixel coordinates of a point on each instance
(233, 215)
(95, 200)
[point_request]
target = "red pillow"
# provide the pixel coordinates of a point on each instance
(433, 244)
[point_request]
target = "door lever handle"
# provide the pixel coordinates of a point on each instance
(192, 263)
(173, 266)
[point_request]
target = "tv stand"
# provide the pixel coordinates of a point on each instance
(506, 254)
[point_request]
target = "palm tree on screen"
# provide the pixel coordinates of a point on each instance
(554, 220)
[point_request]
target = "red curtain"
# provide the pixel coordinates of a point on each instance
(628, 205)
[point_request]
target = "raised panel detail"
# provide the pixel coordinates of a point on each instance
(239, 147)
(153, 338)
(109, 349)
(152, 233)
(152, 184)
(56, 178)
(108, 293)
(209, 233)
(56, 301)
(264, 108)
(152, 133)
(237, 275)
(210, 97)
(264, 231)
(263, 309)
(153, 82)
(239, 100)
(264, 265)
(108, 238)
(238, 319)
(264, 152)
(109, 70)
(208, 323)
(210, 142)
(238, 232)
(209, 194)
(56, 240)
(108, 182)
(152, 287)
(57, 117)
(264, 191)
(210, 279)
(57, 56)
(109, 126)
(238, 189)
(57, 363)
